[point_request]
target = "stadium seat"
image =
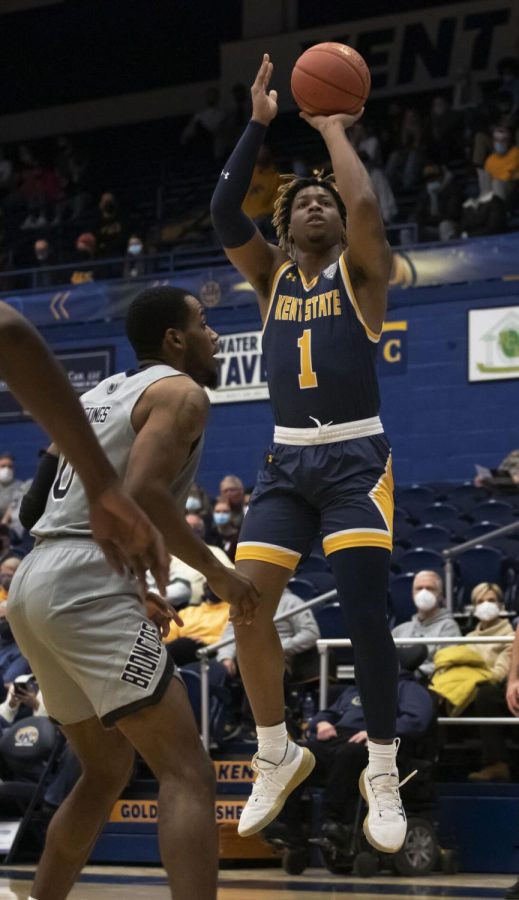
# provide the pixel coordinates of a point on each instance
(401, 606)
(445, 514)
(477, 565)
(432, 537)
(313, 563)
(420, 558)
(29, 748)
(479, 528)
(494, 511)
(332, 624)
(302, 587)
(322, 582)
(465, 496)
(414, 498)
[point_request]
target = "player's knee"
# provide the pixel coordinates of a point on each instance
(113, 772)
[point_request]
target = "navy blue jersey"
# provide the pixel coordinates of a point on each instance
(320, 355)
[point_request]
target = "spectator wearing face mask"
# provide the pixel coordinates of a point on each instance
(490, 701)
(11, 493)
(226, 530)
(502, 166)
(135, 262)
(431, 619)
(43, 258)
(199, 502)
(232, 490)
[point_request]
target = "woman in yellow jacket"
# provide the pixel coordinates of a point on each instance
(487, 600)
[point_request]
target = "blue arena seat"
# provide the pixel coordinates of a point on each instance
(401, 606)
(302, 587)
(432, 537)
(494, 511)
(414, 498)
(477, 565)
(445, 514)
(332, 624)
(465, 496)
(420, 558)
(478, 528)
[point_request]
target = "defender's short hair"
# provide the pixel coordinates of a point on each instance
(150, 315)
(290, 186)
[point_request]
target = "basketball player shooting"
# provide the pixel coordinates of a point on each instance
(100, 662)
(322, 298)
(124, 532)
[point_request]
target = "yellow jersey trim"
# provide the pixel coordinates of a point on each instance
(308, 285)
(342, 540)
(269, 553)
(275, 281)
(382, 496)
(372, 335)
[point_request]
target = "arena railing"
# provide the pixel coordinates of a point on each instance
(324, 644)
(184, 256)
(205, 652)
(451, 552)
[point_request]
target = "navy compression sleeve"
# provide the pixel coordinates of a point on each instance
(231, 224)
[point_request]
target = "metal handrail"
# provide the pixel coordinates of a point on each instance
(451, 552)
(323, 645)
(205, 652)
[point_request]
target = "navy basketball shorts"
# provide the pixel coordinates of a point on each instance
(342, 491)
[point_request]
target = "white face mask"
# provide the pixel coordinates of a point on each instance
(193, 504)
(6, 475)
(487, 611)
(425, 599)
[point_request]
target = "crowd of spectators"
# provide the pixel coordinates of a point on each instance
(445, 164)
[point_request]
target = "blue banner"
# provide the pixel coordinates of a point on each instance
(221, 287)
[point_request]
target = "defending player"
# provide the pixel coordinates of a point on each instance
(41, 386)
(322, 297)
(98, 660)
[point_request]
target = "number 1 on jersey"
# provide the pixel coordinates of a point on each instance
(307, 376)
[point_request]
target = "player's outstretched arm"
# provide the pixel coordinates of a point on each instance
(245, 246)
(368, 253)
(41, 386)
(169, 418)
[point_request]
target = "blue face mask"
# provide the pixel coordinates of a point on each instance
(500, 147)
(134, 249)
(221, 518)
(193, 504)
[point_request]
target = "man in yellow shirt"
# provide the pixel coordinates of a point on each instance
(503, 164)
(203, 624)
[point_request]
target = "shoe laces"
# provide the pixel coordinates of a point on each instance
(386, 792)
(266, 781)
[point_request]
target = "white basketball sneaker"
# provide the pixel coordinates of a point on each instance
(272, 786)
(385, 825)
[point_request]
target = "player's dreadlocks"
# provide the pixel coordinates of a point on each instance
(290, 186)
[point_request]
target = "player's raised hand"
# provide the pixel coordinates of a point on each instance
(239, 592)
(264, 101)
(321, 123)
(127, 537)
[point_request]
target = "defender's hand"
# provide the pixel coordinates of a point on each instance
(161, 613)
(127, 537)
(264, 102)
(239, 592)
(323, 123)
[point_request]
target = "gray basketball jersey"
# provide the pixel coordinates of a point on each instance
(108, 407)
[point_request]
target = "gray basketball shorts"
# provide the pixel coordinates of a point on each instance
(85, 633)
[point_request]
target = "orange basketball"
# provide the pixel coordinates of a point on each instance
(330, 78)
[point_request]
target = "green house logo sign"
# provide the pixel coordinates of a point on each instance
(501, 344)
